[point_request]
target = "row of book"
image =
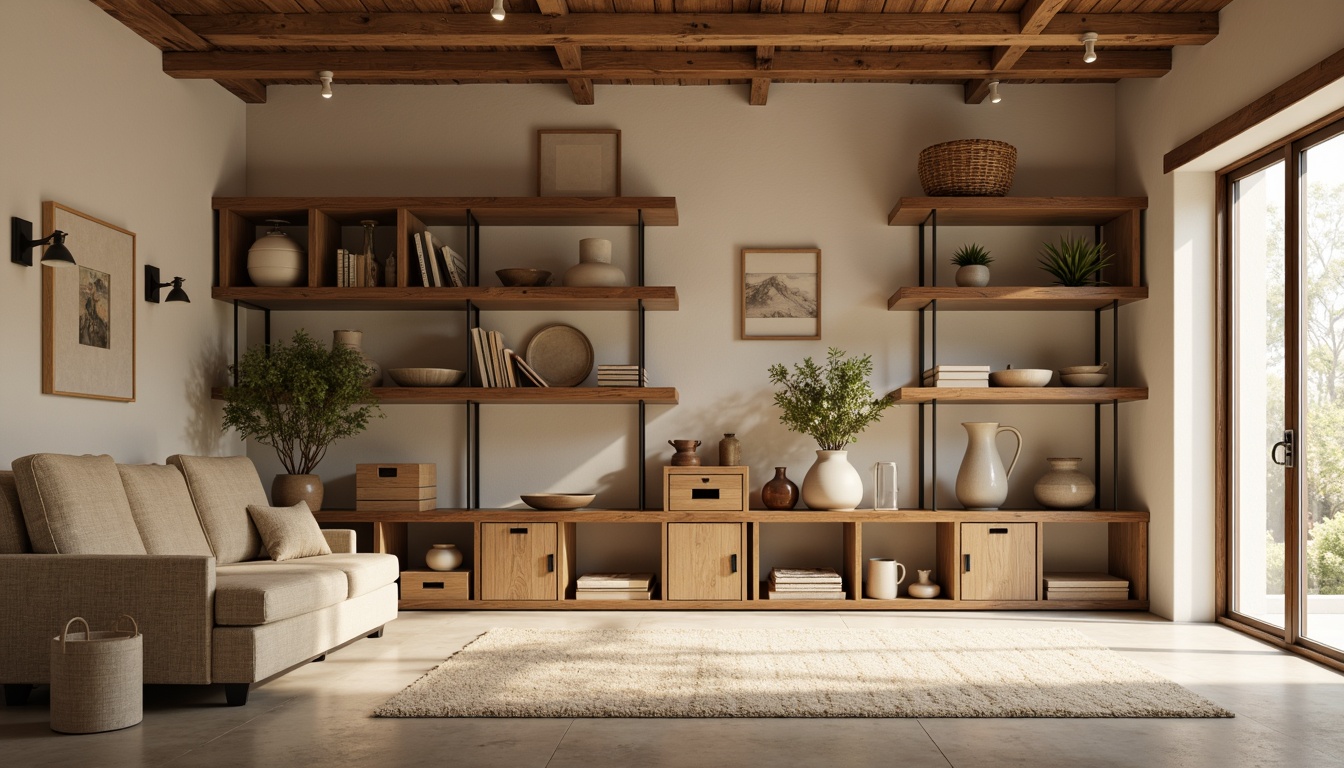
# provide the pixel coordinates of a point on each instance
(355, 270)
(622, 376)
(440, 266)
(957, 376)
(805, 584)
(614, 586)
(499, 366)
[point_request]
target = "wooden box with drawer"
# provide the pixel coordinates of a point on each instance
(434, 589)
(705, 489)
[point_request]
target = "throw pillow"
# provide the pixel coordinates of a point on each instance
(289, 532)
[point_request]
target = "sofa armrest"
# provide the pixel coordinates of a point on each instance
(170, 597)
(341, 540)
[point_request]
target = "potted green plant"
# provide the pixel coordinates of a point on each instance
(299, 398)
(972, 262)
(832, 404)
(1075, 261)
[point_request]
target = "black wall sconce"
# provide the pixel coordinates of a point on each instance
(21, 245)
(153, 287)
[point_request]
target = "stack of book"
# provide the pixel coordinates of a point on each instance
(957, 376)
(622, 376)
(1085, 586)
(439, 266)
(499, 366)
(615, 586)
(805, 584)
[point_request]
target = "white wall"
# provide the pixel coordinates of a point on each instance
(91, 121)
(820, 166)
(1260, 44)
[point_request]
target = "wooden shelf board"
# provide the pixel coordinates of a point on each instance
(901, 604)
(752, 516)
(549, 299)
(1020, 298)
(990, 211)
(1018, 395)
(517, 395)
(452, 211)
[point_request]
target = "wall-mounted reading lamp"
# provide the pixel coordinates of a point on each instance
(153, 287)
(21, 245)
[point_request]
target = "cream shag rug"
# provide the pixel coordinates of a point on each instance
(792, 673)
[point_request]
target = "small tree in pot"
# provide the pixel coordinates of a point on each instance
(832, 404)
(299, 399)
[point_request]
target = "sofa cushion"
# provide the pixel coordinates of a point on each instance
(366, 571)
(221, 488)
(13, 535)
(75, 505)
(164, 514)
(289, 532)
(261, 591)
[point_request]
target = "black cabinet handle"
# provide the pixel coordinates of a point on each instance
(550, 563)
(998, 530)
(965, 563)
(517, 530)
(732, 563)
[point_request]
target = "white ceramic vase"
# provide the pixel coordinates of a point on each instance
(443, 557)
(355, 340)
(972, 276)
(924, 588)
(832, 482)
(982, 482)
(883, 579)
(1064, 487)
(594, 269)
(276, 261)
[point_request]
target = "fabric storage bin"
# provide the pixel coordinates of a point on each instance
(97, 679)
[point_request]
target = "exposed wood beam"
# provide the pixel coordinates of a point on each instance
(249, 91)
(976, 91)
(405, 30)
(904, 66)
(154, 24)
(1035, 16)
(570, 55)
(760, 86)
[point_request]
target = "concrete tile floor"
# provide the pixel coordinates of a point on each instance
(1288, 711)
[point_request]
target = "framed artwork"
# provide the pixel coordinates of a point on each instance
(781, 293)
(579, 163)
(88, 311)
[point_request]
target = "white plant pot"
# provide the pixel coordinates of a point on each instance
(443, 557)
(972, 276)
(832, 483)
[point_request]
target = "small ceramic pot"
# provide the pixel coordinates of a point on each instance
(288, 490)
(1064, 487)
(972, 276)
(730, 451)
(443, 557)
(924, 588)
(779, 493)
(594, 268)
(685, 455)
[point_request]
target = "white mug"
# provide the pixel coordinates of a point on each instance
(884, 576)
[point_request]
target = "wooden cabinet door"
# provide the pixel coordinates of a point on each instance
(998, 561)
(518, 561)
(705, 561)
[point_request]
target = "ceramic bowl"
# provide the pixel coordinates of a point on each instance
(1084, 369)
(519, 276)
(557, 500)
(1082, 379)
(1021, 377)
(425, 377)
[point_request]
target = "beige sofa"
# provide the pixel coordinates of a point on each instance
(175, 547)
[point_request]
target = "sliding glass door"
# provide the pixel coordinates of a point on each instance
(1284, 363)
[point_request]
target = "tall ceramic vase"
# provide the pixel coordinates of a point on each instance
(355, 340)
(832, 482)
(594, 268)
(982, 482)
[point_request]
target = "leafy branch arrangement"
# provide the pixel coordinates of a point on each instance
(1074, 261)
(972, 254)
(299, 399)
(832, 404)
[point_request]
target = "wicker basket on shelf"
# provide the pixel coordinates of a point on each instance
(969, 167)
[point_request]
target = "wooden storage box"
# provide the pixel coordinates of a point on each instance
(705, 489)
(1085, 586)
(433, 589)
(370, 477)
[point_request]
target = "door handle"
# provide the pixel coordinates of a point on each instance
(1287, 445)
(518, 530)
(965, 563)
(550, 563)
(732, 563)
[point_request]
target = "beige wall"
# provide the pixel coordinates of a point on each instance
(91, 121)
(1260, 45)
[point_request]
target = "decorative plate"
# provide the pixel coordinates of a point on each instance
(561, 354)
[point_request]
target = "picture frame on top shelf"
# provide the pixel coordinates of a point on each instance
(579, 163)
(88, 311)
(780, 292)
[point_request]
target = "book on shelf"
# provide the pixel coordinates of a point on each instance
(455, 266)
(816, 594)
(795, 587)
(1087, 594)
(340, 268)
(944, 383)
(806, 575)
(626, 581)
(958, 376)
(503, 371)
(431, 244)
(937, 369)
(479, 346)
(613, 594)
(426, 276)
(526, 375)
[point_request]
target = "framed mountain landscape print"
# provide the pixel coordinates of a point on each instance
(781, 293)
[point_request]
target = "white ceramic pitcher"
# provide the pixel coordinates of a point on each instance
(982, 482)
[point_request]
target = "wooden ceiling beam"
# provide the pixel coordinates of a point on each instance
(250, 91)
(760, 86)
(571, 56)
(407, 30)
(388, 66)
(1035, 16)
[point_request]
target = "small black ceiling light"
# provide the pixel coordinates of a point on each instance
(21, 245)
(153, 287)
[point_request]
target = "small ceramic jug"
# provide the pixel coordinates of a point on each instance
(982, 482)
(685, 455)
(884, 577)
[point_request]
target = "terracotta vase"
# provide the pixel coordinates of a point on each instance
(982, 482)
(730, 451)
(288, 490)
(685, 455)
(832, 483)
(779, 493)
(1064, 487)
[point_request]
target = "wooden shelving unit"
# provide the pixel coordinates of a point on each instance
(418, 298)
(1033, 298)
(1019, 395)
(517, 395)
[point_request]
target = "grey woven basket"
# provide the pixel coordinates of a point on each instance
(967, 167)
(97, 679)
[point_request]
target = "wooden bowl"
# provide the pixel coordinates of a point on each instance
(425, 377)
(1021, 377)
(1082, 379)
(1084, 369)
(550, 501)
(518, 276)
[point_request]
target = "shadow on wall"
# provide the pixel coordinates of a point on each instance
(203, 433)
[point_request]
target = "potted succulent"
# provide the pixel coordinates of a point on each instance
(972, 262)
(299, 398)
(1075, 261)
(832, 404)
